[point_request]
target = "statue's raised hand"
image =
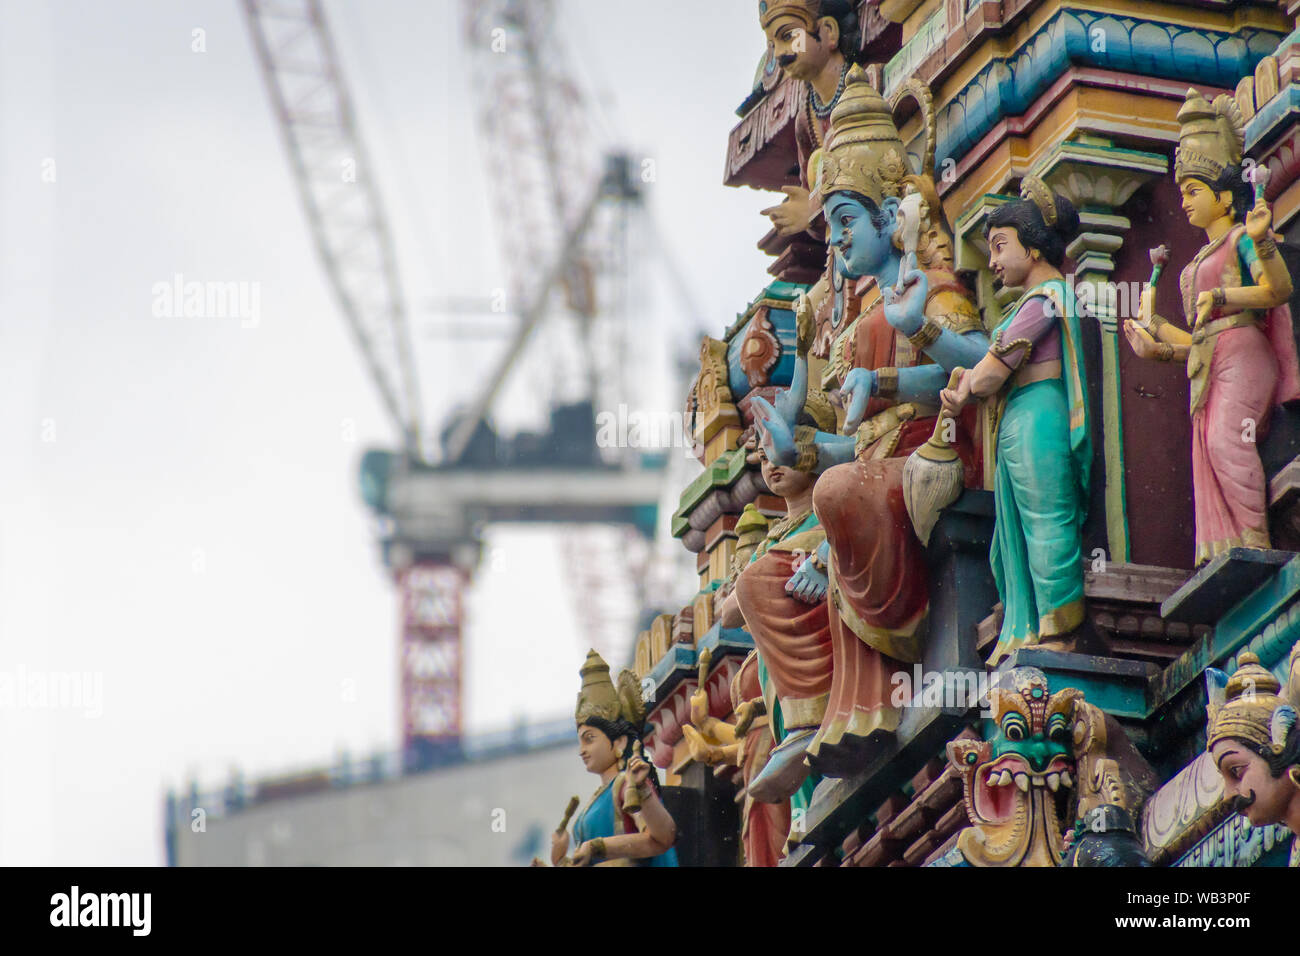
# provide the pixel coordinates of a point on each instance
(638, 771)
(1143, 345)
(858, 387)
(905, 303)
(794, 215)
(775, 434)
(808, 583)
(1259, 220)
(699, 706)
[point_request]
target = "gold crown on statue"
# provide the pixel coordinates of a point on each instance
(809, 11)
(599, 697)
(1037, 192)
(864, 151)
(1243, 706)
(1211, 137)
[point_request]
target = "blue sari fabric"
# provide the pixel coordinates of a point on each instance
(597, 819)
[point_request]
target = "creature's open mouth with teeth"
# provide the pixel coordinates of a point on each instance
(1001, 782)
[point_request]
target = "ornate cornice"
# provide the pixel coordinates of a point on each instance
(1008, 85)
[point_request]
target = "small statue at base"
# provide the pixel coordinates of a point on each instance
(625, 822)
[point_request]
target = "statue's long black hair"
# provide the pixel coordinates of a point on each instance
(613, 729)
(1024, 216)
(1233, 180)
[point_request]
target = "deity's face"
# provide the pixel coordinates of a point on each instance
(1201, 204)
(862, 248)
(597, 751)
(1010, 261)
(785, 482)
(799, 53)
(1255, 793)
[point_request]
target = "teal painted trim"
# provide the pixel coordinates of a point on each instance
(1274, 120)
(719, 638)
(1249, 619)
(679, 656)
(780, 291)
(1008, 86)
(1235, 843)
(1254, 613)
(682, 660)
(1273, 644)
(781, 323)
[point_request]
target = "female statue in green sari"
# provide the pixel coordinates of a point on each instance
(1034, 376)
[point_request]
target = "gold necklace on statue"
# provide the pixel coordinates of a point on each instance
(782, 528)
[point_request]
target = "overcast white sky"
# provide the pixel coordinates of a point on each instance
(179, 515)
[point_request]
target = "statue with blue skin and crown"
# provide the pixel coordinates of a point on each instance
(889, 365)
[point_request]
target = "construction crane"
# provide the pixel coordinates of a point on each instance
(333, 174)
(570, 202)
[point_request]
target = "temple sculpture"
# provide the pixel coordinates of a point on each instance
(1052, 759)
(894, 358)
(813, 42)
(967, 570)
(1240, 351)
(1034, 374)
(625, 822)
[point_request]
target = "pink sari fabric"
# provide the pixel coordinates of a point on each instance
(1252, 370)
(1231, 505)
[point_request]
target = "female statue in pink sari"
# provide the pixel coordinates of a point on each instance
(1240, 352)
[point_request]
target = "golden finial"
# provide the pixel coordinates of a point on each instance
(1242, 706)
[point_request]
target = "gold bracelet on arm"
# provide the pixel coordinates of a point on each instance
(1165, 352)
(1265, 248)
(1220, 297)
(805, 446)
(927, 335)
(598, 848)
(886, 382)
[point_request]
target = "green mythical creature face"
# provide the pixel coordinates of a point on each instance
(1014, 782)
